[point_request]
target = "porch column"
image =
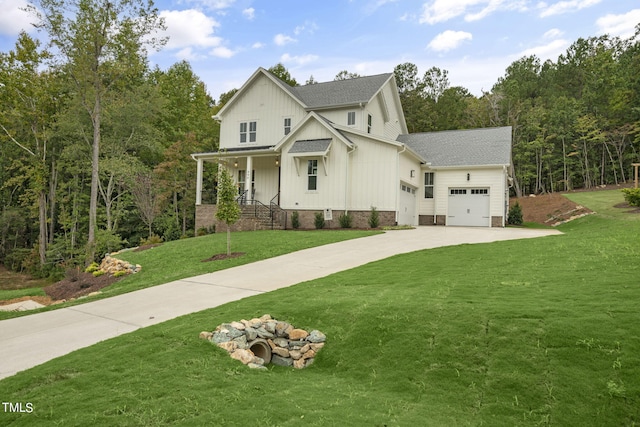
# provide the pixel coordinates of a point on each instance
(199, 183)
(247, 178)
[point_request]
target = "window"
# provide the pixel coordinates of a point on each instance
(428, 185)
(243, 132)
(252, 131)
(287, 126)
(312, 172)
(479, 191)
(369, 122)
(252, 127)
(351, 118)
(455, 191)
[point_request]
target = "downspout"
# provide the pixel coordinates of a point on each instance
(404, 148)
(346, 180)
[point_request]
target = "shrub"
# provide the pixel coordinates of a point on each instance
(295, 219)
(374, 218)
(120, 273)
(92, 267)
(154, 239)
(515, 215)
(98, 273)
(345, 220)
(632, 196)
(319, 220)
(202, 231)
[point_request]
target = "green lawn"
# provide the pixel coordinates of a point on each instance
(183, 258)
(531, 332)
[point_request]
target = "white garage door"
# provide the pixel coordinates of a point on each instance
(407, 211)
(469, 207)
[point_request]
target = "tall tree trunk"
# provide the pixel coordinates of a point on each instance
(95, 176)
(53, 185)
(564, 165)
(42, 240)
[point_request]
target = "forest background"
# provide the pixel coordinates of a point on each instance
(95, 144)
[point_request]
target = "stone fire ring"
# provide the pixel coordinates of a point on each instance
(264, 340)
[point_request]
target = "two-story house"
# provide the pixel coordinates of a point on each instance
(343, 147)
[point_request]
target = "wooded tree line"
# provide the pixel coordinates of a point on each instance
(95, 144)
(576, 121)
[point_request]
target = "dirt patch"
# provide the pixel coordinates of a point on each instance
(11, 280)
(38, 298)
(80, 285)
(625, 205)
(549, 209)
(220, 257)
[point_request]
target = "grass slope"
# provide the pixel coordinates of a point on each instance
(519, 333)
(183, 258)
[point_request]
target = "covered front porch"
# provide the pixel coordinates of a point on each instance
(256, 173)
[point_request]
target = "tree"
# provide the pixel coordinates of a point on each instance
(345, 75)
(283, 74)
(103, 42)
(228, 209)
(147, 197)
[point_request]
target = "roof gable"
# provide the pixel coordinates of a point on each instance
(341, 92)
(312, 116)
(470, 147)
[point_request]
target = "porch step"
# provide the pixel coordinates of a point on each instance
(261, 215)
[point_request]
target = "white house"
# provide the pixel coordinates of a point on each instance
(343, 147)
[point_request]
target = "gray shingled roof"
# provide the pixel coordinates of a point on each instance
(471, 147)
(310, 146)
(341, 92)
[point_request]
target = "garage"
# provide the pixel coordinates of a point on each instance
(469, 207)
(407, 211)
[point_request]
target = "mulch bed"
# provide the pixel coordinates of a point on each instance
(79, 285)
(220, 257)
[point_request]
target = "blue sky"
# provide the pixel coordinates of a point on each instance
(475, 40)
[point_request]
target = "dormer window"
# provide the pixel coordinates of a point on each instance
(369, 123)
(249, 128)
(351, 118)
(287, 125)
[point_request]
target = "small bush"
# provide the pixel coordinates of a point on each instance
(632, 196)
(72, 274)
(154, 239)
(202, 231)
(319, 220)
(345, 220)
(295, 220)
(98, 273)
(92, 267)
(120, 273)
(515, 215)
(374, 218)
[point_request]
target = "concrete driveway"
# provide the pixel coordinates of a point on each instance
(34, 339)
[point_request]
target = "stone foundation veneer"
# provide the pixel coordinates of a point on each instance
(359, 219)
(496, 221)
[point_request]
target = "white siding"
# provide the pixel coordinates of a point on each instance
(374, 175)
(331, 187)
(265, 103)
(494, 179)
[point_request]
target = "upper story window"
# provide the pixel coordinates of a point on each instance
(287, 125)
(369, 123)
(428, 185)
(312, 174)
(351, 118)
(248, 131)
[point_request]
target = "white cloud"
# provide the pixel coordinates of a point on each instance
(258, 45)
(619, 25)
(214, 4)
(309, 27)
(553, 33)
(223, 52)
(298, 60)
(550, 50)
(436, 11)
(281, 39)
(249, 13)
(448, 40)
(566, 6)
(189, 28)
(13, 19)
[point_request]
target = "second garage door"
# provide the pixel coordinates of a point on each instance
(469, 207)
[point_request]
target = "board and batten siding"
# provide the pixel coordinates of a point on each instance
(265, 103)
(330, 193)
(444, 179)
(374, 175)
